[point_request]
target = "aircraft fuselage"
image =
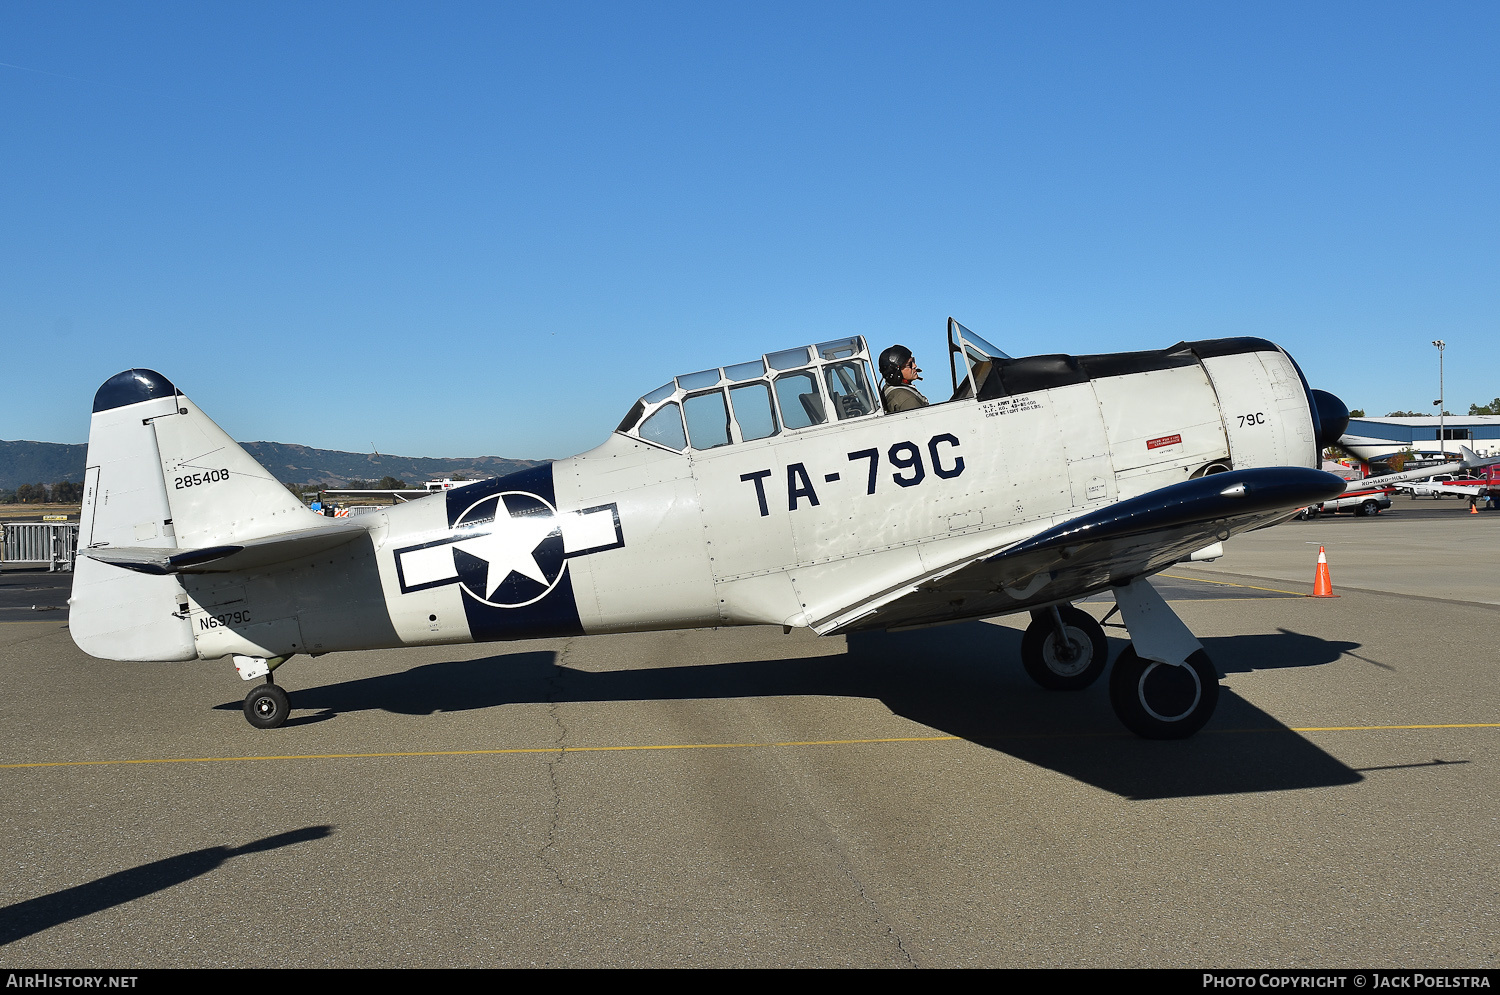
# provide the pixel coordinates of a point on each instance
(796, 529)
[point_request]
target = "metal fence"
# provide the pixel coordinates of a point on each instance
(360, 509)
(53, 544)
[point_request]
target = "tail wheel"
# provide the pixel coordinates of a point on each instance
(1069, 664)
(1161, 701)
(267, 707)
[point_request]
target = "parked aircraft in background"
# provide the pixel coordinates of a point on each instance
(399, 494)
(1437, 486)
(1485, 485)
(1369, 495)
(1434, 438)
(772, 491)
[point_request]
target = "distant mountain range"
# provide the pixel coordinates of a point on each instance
(50, 462)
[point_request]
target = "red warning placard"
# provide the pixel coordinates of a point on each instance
(1166, 440)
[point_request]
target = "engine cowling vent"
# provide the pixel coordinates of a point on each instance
(1215, 466)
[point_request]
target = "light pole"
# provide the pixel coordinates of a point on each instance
(1442, 442)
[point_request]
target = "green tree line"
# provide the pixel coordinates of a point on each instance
(62, 492)
(1492, 408)
(69, 492)
(383, 484)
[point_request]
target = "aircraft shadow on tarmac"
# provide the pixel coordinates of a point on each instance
(36, 914)
(964, 680)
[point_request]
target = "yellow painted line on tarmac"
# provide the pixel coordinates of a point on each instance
(486, 753)
(681, 746)
(1225, 583)
(1184, 601)
(1451, 725)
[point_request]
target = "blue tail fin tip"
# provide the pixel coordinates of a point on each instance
(131, 387)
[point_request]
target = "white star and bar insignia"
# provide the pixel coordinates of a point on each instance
(508, 545)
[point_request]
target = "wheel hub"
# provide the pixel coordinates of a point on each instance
(1169, 693)
(1069, 657)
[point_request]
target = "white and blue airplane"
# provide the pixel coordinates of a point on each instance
(776, 491)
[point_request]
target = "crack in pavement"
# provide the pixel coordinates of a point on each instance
(875, 910)
(548, 853)
(791, 782)
(554, 713)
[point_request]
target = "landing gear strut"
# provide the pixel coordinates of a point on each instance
(1064, 649)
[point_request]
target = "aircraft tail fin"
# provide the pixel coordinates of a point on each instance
(1474, 461)
(218, 492)
(118, 614)
(162, 479)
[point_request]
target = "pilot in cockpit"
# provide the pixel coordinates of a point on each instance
(898, 368)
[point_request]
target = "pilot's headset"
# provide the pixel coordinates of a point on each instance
(892, 361)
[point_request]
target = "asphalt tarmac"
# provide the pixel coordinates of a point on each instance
(747, 798)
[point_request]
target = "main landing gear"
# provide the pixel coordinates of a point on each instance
(1155, 700)
(1163, 686)
(266, 706)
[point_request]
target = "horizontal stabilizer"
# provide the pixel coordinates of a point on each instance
(223, 559)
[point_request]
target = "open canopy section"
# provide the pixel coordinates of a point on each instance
(970, 359)
(780, 392)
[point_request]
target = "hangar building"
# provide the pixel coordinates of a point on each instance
(1376, 438)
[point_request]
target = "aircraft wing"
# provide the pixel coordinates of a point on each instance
(219, 559)
(1470, 461)
(1458, 488)
(1130, 538)
(407, 494)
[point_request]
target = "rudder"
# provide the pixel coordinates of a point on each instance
(113, 613)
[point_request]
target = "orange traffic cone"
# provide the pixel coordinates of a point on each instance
(1473, 507)
(1322, 580)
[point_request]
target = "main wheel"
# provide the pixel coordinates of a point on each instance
(1160, 701)
(1064, 666)
(267, 706)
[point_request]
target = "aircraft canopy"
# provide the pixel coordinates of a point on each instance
(780, 392)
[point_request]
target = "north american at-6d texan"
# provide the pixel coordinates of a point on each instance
(775, 491)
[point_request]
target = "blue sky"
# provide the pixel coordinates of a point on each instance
(452, 229)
